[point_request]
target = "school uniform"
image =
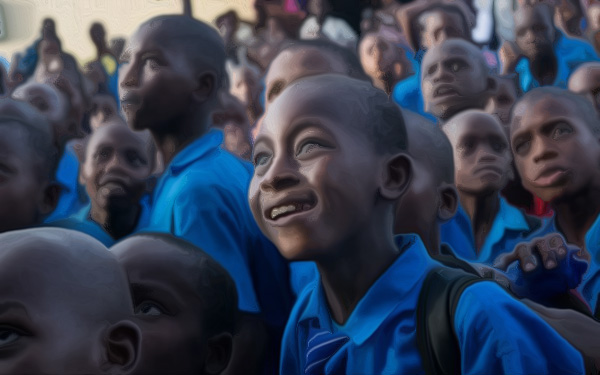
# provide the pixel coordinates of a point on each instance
(202, 198)
(82, 222)
(496, 333)
(71, 200)
(570, 53)
(509, 228)
(590, 283)
(407, 93)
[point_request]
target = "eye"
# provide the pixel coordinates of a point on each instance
(9, 336)
(504, 100)
(466, 147)
(498, 146)
(150, 308)
(152, 63)
(103, 154)
(539, 28)
(561, 130)
(261, 158)
(457, 66)
(308, 147)
(135, 160)
(522, 146)
(431, 69)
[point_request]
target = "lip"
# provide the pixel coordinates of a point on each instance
(444, 91)
(282, 208)
(490, 168)
(130, 100)
(550, 176)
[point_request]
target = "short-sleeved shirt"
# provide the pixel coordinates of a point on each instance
(570, 53)
(82, 222)
(590, 284)
(496, 333)
(510, 227)
(202, 198)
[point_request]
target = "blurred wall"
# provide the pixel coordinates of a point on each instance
(22, 19)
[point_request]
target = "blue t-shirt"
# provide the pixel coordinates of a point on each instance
(407, 93)
(202, 198)
(590, 284)
(496, 333)
(508, 229)
(82, 222)
(570, 53)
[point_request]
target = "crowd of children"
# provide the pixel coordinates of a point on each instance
(308, 194)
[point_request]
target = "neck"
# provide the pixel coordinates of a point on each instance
(482, 210)
(544, 68)
(117, 221)
(353, 267)
(178, 136)
(576, 213)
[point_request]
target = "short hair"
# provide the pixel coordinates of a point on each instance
(376, 115)
(429, 143)
(464, 44)
(215, 287)
(343, 54)
(584, 107)
(39, 134)
(203, 43)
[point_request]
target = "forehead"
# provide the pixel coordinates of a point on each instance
(117, 136)
(437, 17)
(476, 125)
(585, 79)
(532, 113)
(527, 16)
(453, 51)
(296, 63)
(14, 138)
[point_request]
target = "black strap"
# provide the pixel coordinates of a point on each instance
(436, 338)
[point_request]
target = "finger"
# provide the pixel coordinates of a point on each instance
(503, 261)
(558, 245)
(528, 260)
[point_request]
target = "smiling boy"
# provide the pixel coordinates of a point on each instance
(172, 70)
(555, 138)
(325, 187)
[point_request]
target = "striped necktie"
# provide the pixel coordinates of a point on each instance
(321, 346)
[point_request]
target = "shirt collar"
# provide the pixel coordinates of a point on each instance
(382, 297)
(196, 150)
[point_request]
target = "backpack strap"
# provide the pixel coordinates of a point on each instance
(437, 303)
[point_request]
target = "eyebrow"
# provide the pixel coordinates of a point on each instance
(12, 305)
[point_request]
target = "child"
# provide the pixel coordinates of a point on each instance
(502, 101)
(169, 84)
(320, 23)
(542, 55)
(383, 61)
(307, 58)
(555, 138)
(115, 167)
(325, 190)
(455, 77)
(184, 302)
(246, 87)
(586, 81)
(65, 306)
(27, 164)
(486, 224)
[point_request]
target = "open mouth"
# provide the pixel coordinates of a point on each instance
(289, 208)
(444, 91)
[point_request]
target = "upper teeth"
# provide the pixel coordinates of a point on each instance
(282, 210)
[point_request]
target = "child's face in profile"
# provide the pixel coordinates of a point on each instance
(436, 26)
(314, 181)
(52, 104)
(291, 65)
(482, 156)
(554, 149)
(380, 58)
(156, 79)
(534, 31)
(167, 307)
(117, 164)
(502, 101)
(452, 79)
(21, 187)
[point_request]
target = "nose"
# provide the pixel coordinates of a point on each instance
(441, 74)
(128, 76)
(486, 155)
(115, 164)
(542, 150)
(281, 175)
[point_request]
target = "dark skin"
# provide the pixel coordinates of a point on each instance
(586, 81)
(169, 310)
(482, 164)
(454, 78)
(49, 322)
(317, 199)
(556, 155)
(437, 26)
(115, 169)
(502, 101)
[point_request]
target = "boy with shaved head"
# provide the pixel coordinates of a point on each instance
(65, 306)
(455, 77)
(586, 81)
(173, 68)
(331, 164)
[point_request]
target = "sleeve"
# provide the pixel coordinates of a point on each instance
(499, 335)
(206, 216)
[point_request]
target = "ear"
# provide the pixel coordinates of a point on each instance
(50, 198)
(206, 86)
(218, 353)
(122, 341)
(396, 176)
(448, 204)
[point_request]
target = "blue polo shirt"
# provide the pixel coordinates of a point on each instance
(82, 222)
(570, 53)
(590, 284)
(508, 229)
(381, 331)
(202, 198)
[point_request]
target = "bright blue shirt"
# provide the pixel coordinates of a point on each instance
(82, 222)
(407, 93)
(202, 198)
(570, 53)
(590, 284)
(71, 199)
(496, 333)
(508, 229)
